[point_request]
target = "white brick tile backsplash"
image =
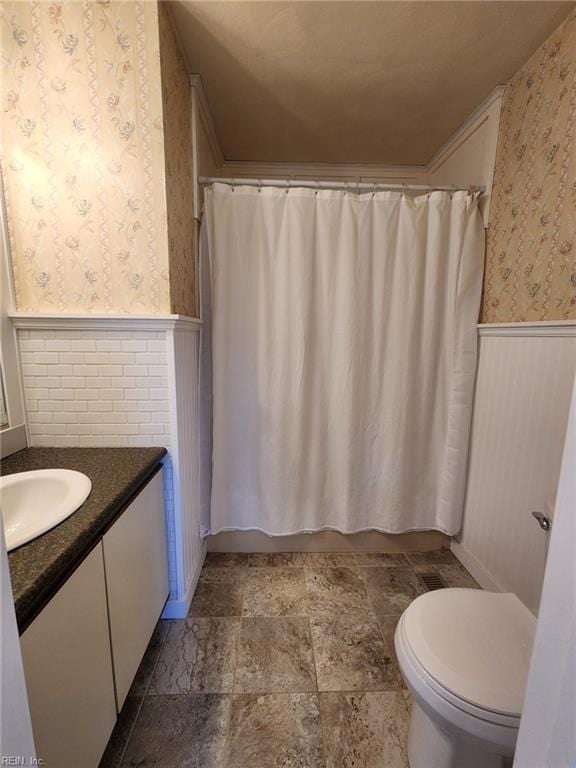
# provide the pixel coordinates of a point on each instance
(108, 345)
(98, 382)
(85, 370)
(134, 370)
(77, 405)
(125, 405)
(66, 418)
(82, 344)
(126, 382)
(134, 346)
(100, 406)
(47, 381)
(32, 345)
(72, 381)
(138, 393)
(59, 370)
(122, 358)
(100, 388)
(110, 370)
(138, 417)
(40, 417)
(31, 369)
(71, 358)
(88, 394)
(57, 345)
(62, 394)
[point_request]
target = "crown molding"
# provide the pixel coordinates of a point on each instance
(100, 322)
(472, 123)
(206, 119)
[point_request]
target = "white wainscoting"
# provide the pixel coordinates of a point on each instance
(183, 348)
(522, 399)
(123, 380)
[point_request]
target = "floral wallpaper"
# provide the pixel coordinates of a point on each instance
(82, 156)
(177, 107)
(531, 245)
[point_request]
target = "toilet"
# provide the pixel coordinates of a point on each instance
(464, 655)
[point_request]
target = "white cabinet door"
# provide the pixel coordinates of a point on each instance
(68, 670)
(136, 579)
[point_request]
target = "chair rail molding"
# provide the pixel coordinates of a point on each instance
(550, 328)
(101, 322)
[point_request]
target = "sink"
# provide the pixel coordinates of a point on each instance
(34, 502)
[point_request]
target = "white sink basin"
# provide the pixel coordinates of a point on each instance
(34, 502)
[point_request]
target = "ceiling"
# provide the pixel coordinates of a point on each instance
(353, 82)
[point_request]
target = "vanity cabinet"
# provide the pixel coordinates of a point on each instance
(82, 651)
(68, 670)
(137, 580)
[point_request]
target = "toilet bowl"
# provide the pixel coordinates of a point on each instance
(464, 655)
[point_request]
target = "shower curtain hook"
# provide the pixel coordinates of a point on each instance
(287, 186)
(259, 185)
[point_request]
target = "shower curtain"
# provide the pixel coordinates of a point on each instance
(343, 358)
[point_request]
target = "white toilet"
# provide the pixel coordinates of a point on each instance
(464, 655)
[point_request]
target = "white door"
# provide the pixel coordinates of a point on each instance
(548, 728)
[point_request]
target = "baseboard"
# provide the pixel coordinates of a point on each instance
(475, 567)
(327, 541)
(178, 609)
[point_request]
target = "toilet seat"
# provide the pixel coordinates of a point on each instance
(473, 649)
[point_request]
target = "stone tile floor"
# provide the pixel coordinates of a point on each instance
(285, 661)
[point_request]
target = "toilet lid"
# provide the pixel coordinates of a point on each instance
(475, 644)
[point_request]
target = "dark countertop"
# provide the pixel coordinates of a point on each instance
(40, 567)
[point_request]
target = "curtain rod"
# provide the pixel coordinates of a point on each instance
(346, 185)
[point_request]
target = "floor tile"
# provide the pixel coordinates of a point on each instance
(336, 591)
(179, 732)
(383, 559)
(321, 559)
(275, 655)
(423, 560)
(329, 559)
(198, 656)
(220, 592)
(366, 729)
(455, 576)
(146, 668)
(275, 559)
(112, 757)
(226, 559)
(388, 628)
(275, 731)
(351, 655)
(391, 590)
(275, 592)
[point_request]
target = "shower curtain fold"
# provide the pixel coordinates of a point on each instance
(343, 358)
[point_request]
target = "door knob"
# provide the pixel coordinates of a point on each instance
(543, 521)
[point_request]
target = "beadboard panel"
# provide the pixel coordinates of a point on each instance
(183, 359)
(521, 405)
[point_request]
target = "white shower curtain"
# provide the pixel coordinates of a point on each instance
(343, 354)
